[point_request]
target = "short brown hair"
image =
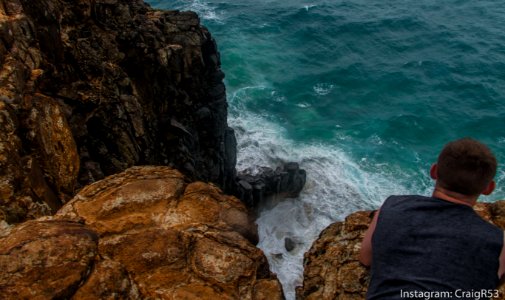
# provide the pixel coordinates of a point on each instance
(466, 166)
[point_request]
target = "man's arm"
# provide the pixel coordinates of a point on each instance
(365, 254)
(501, 268)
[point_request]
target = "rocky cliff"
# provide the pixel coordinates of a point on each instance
(331, 266)
(90, 88)
(147, 233)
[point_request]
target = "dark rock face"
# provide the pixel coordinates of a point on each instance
(286, 181)
(90, 88)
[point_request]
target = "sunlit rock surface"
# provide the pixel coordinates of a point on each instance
(144, 233)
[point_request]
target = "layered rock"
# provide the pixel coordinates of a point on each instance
(144, 233)
(331, 266)
(90, 88)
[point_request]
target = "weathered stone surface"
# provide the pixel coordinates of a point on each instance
(108, 280)
(146, 233)
(331, 266)
(165, 238)
(45, 259)
(16, 198)
(90, 88)
(50, 137)
(155, 196)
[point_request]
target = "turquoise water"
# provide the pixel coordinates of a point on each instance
(362, 93)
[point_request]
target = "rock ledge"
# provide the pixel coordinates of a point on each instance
(145, 233)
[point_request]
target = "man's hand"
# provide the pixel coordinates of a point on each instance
(365, 254)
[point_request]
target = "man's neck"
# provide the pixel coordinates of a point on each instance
(454, 197)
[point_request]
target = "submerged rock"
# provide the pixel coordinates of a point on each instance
(289, 244)
(331, 266)
(144, 233)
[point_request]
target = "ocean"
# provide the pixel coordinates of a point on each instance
(362, 93)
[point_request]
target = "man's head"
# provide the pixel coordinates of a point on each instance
(467, 167)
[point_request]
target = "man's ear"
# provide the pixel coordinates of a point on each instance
(434, 171)
(489, 189)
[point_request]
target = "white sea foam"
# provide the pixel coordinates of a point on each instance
(303, 105)
(277, 97)
(203, 9)
(323, 89)
(336, 186)
(307, 7)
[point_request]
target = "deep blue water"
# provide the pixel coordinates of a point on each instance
(364, 93)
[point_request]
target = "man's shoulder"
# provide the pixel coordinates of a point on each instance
(421, 204)
(405, 197)
(396, 199)
(402, 203)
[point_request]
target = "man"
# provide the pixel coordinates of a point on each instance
(438, 246)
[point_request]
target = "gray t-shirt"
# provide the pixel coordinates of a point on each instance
(423, 244)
